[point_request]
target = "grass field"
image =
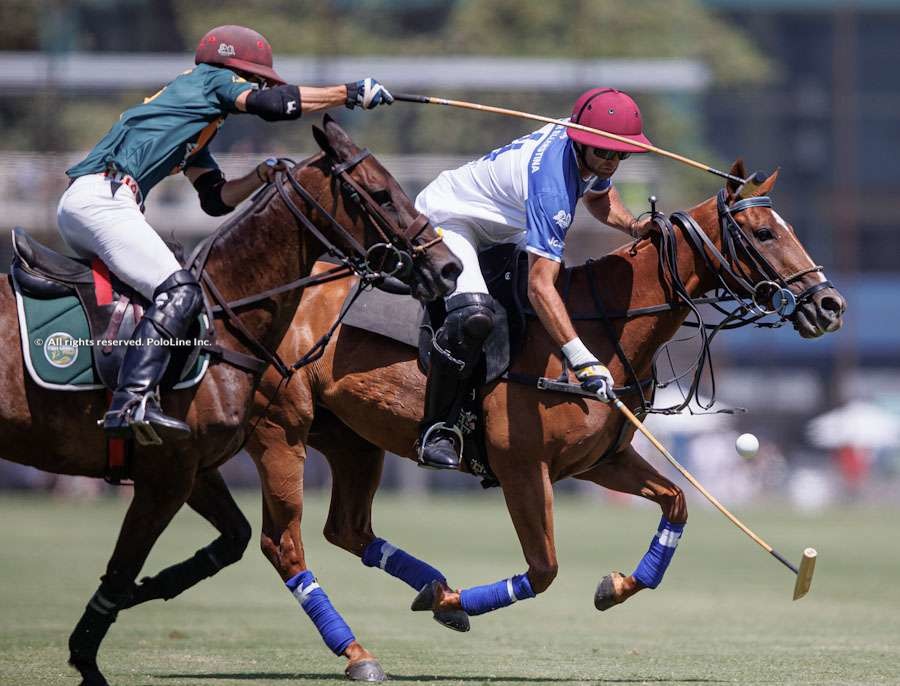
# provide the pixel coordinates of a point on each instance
(723, 614)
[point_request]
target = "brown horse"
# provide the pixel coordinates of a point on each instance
(366, 394)
(269, 245)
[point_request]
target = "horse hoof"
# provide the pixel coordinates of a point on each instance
(425, 599)
(453, 619)
(90, 673)
(365, 670)
(605, 597)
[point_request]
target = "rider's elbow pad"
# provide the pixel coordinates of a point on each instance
(209, 190)
(280, 103)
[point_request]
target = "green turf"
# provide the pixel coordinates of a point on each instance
(723, 615)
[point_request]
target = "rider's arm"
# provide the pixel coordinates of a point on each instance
(608, 208)
(309, 99)
(551, 310)
(289, 102)
(218, 196)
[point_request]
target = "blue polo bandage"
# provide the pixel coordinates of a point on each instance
(399, 563)
(481, 599)
(653, 565)
(318, 607)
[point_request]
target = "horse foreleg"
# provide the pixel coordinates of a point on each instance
(281, 472)
(628, 472)
(356, 466)
(155, 502)
(212, 500)
(529, 499)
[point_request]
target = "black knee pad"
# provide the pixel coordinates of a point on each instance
(176, 302)
(469, 322)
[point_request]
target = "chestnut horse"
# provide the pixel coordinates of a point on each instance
(269, 245)
(366, 395)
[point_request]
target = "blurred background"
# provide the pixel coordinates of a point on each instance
(807, 86)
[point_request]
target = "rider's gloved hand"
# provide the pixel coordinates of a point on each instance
(594, 377)
(266, 170)
(367, 93)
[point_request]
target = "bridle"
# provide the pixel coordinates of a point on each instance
(773, 293)
(399, 248)
(756, 300)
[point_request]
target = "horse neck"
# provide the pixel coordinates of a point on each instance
(631, 279)
(265, 248)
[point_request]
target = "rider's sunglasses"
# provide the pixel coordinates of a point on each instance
(610, 154)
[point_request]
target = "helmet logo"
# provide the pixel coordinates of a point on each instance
(226, 50)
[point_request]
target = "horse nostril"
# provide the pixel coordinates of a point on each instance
(832, 304)
(451, 271)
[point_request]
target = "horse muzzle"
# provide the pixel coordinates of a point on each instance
(822, 313)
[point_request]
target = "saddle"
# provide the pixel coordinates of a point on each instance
(75, 319)
(505, 270)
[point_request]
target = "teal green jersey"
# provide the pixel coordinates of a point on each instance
(170, 130)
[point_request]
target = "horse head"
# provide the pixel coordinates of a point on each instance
(767, 261)
(410, 249)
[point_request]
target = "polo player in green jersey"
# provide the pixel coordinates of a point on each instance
(101, 213)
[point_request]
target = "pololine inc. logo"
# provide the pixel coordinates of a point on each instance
(61, 349)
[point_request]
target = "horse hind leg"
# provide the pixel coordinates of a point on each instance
(628, 472)
(212, 500)
(156, 500)
(356, 466)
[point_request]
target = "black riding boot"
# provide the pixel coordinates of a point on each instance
(455, 352)
(135, 408)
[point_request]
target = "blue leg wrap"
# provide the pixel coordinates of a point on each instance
(318, 607)
(399, 563)
(653, 565)
(481, 599)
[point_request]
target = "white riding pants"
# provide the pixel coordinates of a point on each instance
(95, 223)
(466, 237)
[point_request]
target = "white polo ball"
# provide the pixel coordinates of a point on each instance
(747, 445)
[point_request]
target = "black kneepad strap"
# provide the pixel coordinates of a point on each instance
(281, 103)
(209, 190)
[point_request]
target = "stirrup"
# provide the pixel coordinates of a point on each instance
(134, 412)
(437, 427)
(144, 433)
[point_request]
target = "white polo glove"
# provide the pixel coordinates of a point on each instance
(594, 377)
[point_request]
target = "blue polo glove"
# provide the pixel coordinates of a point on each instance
(367, 93)
(594, 377)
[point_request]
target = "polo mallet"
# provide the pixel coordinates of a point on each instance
(747, 184)
(807, 562)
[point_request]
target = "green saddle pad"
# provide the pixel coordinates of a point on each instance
(57, 350)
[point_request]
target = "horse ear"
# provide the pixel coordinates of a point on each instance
(737, 169)
(766, 185)
(338, 138)
(322, 139)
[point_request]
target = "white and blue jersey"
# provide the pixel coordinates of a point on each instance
(525, 191)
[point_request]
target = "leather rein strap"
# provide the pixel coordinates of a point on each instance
(357, 264)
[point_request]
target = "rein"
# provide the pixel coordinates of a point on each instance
(359, 262)
(772, 295)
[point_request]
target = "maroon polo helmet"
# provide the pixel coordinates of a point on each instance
(608, 110)
(239, 48)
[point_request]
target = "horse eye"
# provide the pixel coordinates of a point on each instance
(764, 235)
